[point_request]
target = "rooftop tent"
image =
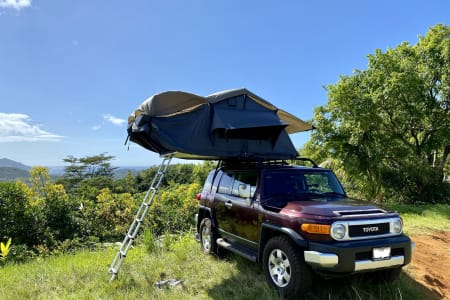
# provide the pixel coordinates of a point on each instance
(224, 125)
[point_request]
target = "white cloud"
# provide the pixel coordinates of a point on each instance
(18, 128)
(114, 120)
(15, 4)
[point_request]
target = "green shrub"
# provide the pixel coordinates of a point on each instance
(21, 253)
(20, 216)
(150, 241)
(111, 215)
(173, 209)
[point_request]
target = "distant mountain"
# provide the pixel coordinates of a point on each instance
(5, 162)
(11, 170)
(11, 174)
(121, 172)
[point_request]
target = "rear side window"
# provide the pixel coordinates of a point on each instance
(225, 183)
(208, 182)
(239, 184)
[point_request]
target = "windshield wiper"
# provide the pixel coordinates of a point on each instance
(315, 195)
(334, 194)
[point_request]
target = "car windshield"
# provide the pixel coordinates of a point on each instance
(301, 185)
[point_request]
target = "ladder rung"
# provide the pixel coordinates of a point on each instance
(139, 218)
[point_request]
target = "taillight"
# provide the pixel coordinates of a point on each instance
(199, 196)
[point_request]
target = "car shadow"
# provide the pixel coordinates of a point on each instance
(250, 283)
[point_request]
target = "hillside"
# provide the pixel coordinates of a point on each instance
(11, 170)
(11, 174)
(6, 162)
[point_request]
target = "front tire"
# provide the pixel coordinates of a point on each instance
(207, 237)
(285, 268)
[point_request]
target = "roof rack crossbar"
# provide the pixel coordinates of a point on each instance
(265, 162)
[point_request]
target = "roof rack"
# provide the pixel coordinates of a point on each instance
(230, 163)
(307, 159)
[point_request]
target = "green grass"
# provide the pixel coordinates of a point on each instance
(421, 219)
(84, 275)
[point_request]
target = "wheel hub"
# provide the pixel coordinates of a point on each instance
(279, 268)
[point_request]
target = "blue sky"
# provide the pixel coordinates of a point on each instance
(72, 71)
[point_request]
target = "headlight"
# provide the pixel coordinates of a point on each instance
(397, 226)
(338, 231)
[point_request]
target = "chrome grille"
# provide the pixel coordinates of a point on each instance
(367, 229)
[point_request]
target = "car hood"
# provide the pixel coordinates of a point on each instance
(331, 207)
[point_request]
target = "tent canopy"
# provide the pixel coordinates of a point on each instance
(233, 124)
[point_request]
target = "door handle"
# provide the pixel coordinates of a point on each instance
(228, 204)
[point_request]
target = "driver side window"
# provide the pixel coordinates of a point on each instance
(244, 184)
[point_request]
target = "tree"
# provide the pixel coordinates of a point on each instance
(96, 170)
(389, 125)
(126, 184)
(176, 173)
(39, 177)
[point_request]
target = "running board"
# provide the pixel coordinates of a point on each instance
(242, 251)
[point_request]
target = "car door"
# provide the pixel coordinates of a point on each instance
(237, 216)
(222, 202)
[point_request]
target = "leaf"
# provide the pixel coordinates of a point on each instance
(4, 249)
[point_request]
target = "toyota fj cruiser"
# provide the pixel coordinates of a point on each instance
(297, 221)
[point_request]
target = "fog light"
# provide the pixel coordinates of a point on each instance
(338, 231)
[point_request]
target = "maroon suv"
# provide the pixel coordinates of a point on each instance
(297, 221)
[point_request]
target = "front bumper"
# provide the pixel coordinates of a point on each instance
(356, 256)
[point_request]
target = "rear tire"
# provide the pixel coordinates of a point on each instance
(207, 237)
(285, 268)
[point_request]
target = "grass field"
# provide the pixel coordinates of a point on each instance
(420, 219)
(84, 275)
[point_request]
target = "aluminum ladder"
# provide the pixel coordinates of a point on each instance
(137, 221)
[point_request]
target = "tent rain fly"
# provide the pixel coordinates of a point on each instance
(233, 124)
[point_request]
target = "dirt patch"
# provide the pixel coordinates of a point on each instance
(431, 262)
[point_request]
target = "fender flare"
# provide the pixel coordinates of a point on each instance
(267, 230)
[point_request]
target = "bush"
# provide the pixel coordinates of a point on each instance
(20, 217)
(44, 219)
(173, 210)
(109, 218)
(38, 218)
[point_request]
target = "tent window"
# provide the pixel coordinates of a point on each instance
(255, 133)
